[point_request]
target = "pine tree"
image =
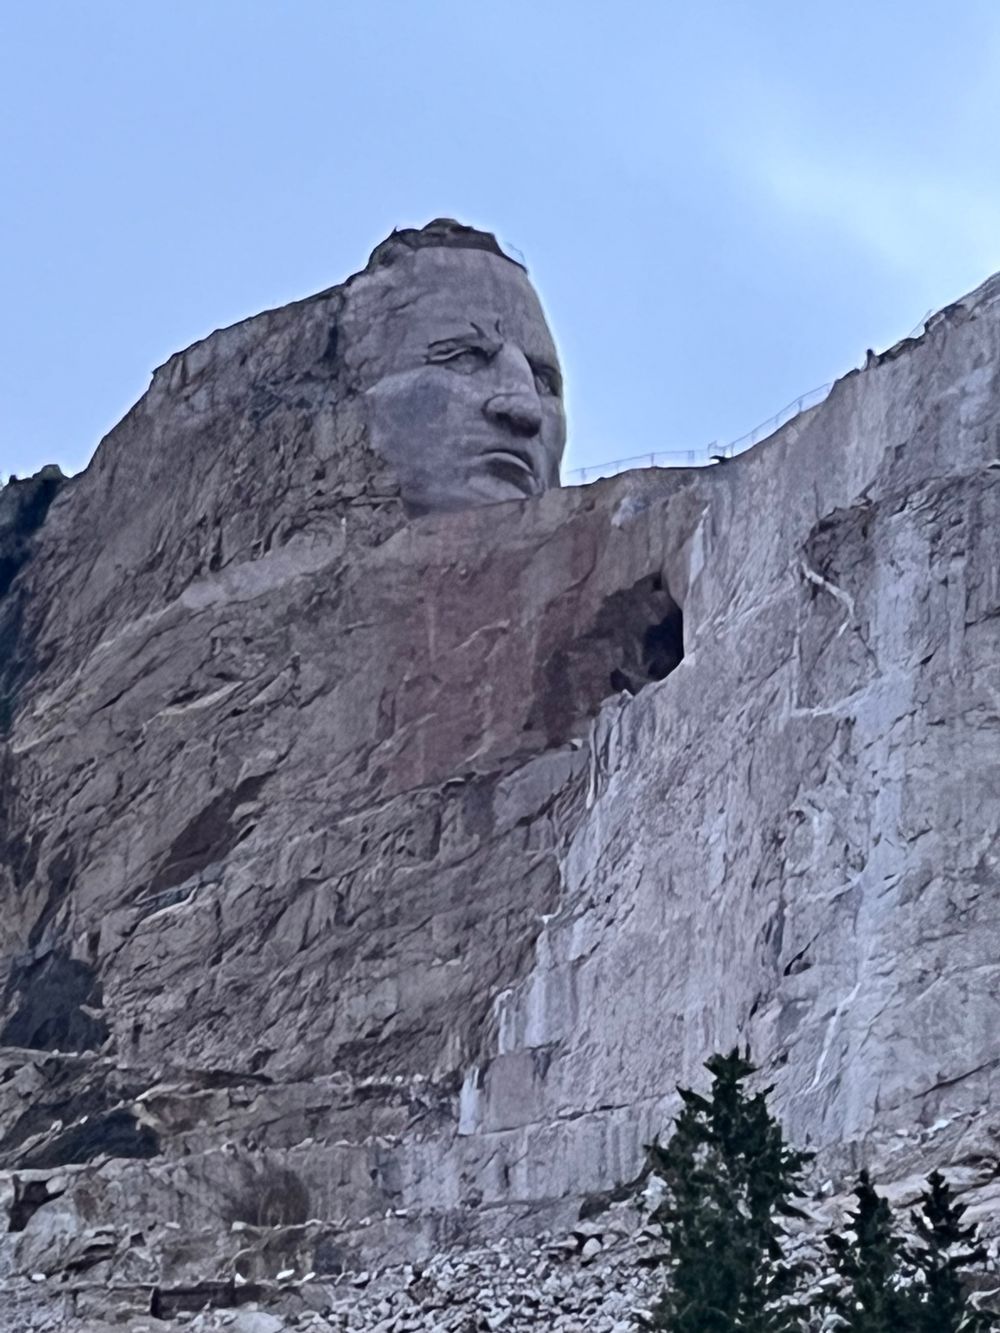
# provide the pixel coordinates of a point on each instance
(943, 1247)
(870, 1262)
(730, 1178)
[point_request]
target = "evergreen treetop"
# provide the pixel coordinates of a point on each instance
(944, 1245)
(730, 1177)
(868, 1260)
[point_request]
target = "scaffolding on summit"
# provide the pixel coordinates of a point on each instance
(709, 453)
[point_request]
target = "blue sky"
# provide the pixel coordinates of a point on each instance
(723, 204)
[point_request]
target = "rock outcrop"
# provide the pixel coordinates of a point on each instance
(369, 880)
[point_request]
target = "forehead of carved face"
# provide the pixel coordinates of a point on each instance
(460, 376)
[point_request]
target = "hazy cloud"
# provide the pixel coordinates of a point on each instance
(905, 218)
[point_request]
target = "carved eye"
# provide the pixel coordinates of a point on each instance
(467, 359)
(463, 357)
(547, 380)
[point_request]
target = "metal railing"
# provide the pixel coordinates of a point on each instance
(700, 457)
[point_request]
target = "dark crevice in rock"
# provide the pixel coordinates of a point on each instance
(59, 874)
(663, 645)
(165, 1302)
(18, 847)
(23, 508)
(329, 356)
(207, 838)
(29, 1196)
(15, 662)
(115, 1134)
(73, 1088)
(636, 638)
(222, 1078)
(50, 1016)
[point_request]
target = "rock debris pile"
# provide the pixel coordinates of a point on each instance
(592, 1279)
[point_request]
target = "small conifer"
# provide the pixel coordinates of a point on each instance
(730, 1178)
(944, 1246)
(869, 1259)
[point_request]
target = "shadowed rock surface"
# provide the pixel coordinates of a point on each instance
(370, 880)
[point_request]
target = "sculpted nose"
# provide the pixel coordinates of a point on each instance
(517, 412)
(514, 407)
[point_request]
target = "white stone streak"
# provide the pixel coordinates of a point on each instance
(836, 1018)
(845, 599)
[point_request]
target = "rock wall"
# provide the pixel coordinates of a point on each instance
(370, 882)
(793, 839)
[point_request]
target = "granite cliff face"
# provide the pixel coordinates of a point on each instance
(369, 878)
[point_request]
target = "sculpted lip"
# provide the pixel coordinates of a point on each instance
(515, 467)
(516, 457)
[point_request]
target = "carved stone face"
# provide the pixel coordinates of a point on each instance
(461, 378)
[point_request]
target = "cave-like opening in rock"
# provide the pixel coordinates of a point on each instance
(663, 645)
(635, 639)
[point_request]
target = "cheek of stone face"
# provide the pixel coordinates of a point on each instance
(409, 412)
(553, 439)
(424, 425)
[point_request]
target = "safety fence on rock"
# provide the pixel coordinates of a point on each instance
(700, 457)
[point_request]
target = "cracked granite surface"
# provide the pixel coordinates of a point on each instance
(346, 899)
